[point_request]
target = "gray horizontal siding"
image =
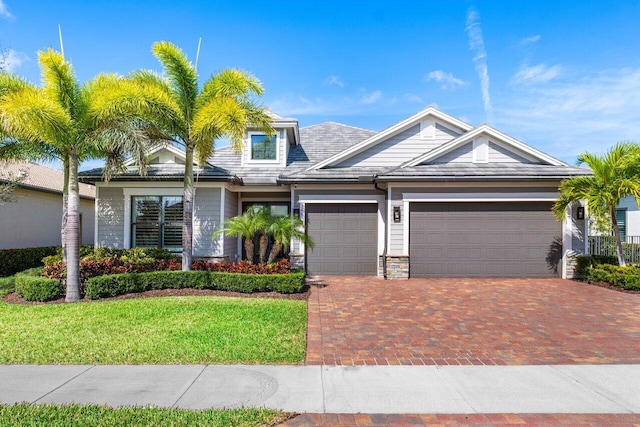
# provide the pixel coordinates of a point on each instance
(206, 219)
(400, 148)
(230, 210)
(396, 230)
(577, 235)
(498, 154)
(110, 217)
(462, 154)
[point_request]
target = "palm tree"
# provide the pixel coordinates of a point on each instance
(247, 226)
(183, 113)
(282, 230)
(615, 175)
(60, 120)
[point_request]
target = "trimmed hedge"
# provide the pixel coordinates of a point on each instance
(15, 260)
(624, 277)
(118, 284)
(38, 288)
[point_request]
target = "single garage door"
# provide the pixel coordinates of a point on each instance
(345, 238)
(483, 240)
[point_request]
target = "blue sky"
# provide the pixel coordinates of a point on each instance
(563, 76)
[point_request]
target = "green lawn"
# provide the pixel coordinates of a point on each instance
(173, 330)
(81, 416)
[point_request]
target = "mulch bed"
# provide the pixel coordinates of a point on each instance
(14, 298)
(610, 286)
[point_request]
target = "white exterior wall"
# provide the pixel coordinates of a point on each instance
(34, 220)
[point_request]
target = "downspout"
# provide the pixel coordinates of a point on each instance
(386, 225)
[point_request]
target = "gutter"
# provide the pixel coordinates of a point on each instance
(386, 226)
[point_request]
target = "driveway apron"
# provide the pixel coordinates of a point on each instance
(370, 321)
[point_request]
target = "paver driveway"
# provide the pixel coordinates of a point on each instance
(367, 320)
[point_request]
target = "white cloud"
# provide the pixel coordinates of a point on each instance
(14, 60)
(476, 45)
(540, 73)
(446, 80)
(530, 40)
(334, 80)
(413, 98)
(4, 11)
(575, 113)
(369, 97)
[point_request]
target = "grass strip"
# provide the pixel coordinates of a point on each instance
(91, 415)
(171, 330)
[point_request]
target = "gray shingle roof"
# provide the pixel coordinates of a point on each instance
(41, 177)
(160, 172)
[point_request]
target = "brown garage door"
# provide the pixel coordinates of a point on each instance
(483, 240)
(345, 238)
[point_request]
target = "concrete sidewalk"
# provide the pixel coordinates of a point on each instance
(334, 389)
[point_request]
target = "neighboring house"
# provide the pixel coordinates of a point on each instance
(34, 218)
(628, 217)
(430, 196)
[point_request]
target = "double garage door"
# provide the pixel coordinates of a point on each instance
(345, 238)
(516, 239)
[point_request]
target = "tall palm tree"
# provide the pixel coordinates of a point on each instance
(59, 120)
(615, 175)
(283, 230)
(183, 113)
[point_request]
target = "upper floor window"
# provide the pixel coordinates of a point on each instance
(263, 147)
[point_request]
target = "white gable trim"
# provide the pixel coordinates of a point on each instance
(503, 140)
(416, 119)
(157, 148)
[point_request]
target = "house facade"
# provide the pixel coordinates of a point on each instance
(33, 218)
(430, 196)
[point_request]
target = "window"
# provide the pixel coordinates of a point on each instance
(263, 148)
(157, 222)
(621, 219)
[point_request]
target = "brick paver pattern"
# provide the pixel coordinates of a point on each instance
(343, 420)
(370, 321)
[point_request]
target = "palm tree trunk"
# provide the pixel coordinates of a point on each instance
(264, 243)
(616, 234)
(249, 248)
(187, 205)
(275, 250)
(65, 210)
(72, 234)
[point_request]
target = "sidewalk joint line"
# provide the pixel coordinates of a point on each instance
(64, 383)
(188, 387)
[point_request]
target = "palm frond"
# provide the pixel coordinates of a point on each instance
(231, 83)
(58, 78)
(29, 115)
(181, 74)
(11, 83)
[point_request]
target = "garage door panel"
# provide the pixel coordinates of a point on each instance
(481, 239)
(345, 239)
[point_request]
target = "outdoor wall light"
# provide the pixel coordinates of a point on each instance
(296, 212)
(580, 212)
(396, 214)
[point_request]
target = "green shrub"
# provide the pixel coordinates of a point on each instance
(627, 277)
(119, 284)
(584, 262)
(38, 288)
(15, 260)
